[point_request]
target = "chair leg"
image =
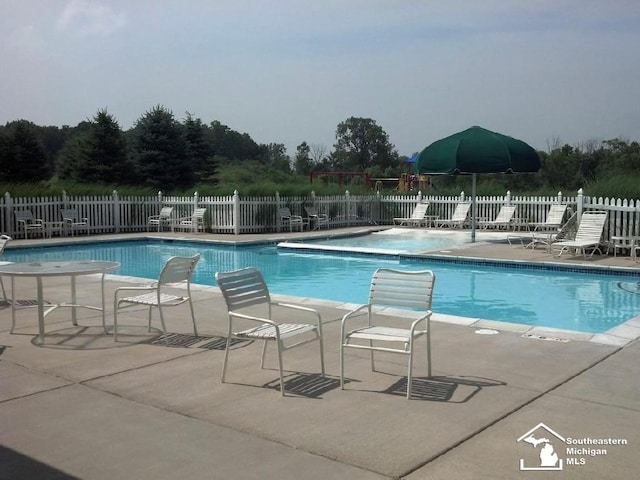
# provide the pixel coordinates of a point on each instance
(115, 319)
(4, 293)
(264, 352)
(193, 317)
(226, 356)
(341, 365)
(280, 366)
(373, 365)
(321, 354)
(409, 374)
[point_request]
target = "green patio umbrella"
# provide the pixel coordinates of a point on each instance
(476, 150)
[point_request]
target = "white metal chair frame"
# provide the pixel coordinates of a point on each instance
(72, 220)
(458, 218)
(416, 219)
(589, 235)
(319, 219)
(246, 288)
(164, 218)
(289, 220)
(176, 270)
(194, 222)
(26, 221)
(502, 220)
(4, 239)
(392, 288)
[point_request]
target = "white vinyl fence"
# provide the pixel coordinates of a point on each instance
(240, 215)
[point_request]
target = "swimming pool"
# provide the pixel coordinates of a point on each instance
(558, 298)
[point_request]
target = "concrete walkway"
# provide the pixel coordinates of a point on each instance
(82, 406)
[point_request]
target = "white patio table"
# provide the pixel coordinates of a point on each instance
(40, 270)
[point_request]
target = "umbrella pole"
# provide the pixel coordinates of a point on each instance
(474, 208)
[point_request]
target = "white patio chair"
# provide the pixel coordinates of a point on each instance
(417, 218)
(410, 290)
(72, 221)
(176, 272)
(158, 221)
(502, 220)
(589, 235)
(27, 223)
(319, 219)
(544, 233)
(4, 239)
(290, 221)
(246, 288)
(192, 223)
(459, 217)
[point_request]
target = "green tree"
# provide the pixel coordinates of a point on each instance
(160, 151)
(27, 159)
(97, 156)
(275, 155)
(199, 151)
(362, 144)
(303, 163)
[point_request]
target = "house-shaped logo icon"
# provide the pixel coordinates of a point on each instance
(542, 439)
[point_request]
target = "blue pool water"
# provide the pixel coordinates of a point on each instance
(593, 302)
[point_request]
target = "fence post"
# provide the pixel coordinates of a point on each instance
(580, 206)
(508, 197)
(236, 213)
(278, 219)
(559, 197)
(347, 200)
(313, 198)
(419, 196)
(116, 212)
(196, 199)
(8, 214)
(65, 199)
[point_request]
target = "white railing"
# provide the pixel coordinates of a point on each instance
(239, 215)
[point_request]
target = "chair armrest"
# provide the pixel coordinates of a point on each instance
(426, 318)
(132, 289)
(252, 318)
(299, 308)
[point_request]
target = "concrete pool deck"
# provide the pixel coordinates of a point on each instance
(81, 406)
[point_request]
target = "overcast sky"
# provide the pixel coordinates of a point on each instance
(288, 71)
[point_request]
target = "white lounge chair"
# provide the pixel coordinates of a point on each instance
(417, 218)
(459, 217)
(73, 221)
(588, 236)
(158, 221)
(546, 232)
(246, 288)
(177, 271)
(318, 219)
(193, 223)
(410, 290)
(27, 223)
(502, 220)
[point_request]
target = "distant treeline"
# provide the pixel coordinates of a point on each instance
(164, 153)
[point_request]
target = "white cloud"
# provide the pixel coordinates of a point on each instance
(85, 18)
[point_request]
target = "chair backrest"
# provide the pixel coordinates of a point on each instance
(461, 212)
(400, 288)
(311, 211)
(284, 212)
(165, 212)
(23, 215)
(4, 239)
(199, 212)
(178, 269)
(420, 211)
(591, 226)
(69, 213)
(243, 288)
(505, 214)
(556, 214)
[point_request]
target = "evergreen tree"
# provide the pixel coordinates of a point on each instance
(27, 157)
(160, 151)
(99, 155)
(199, 152)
